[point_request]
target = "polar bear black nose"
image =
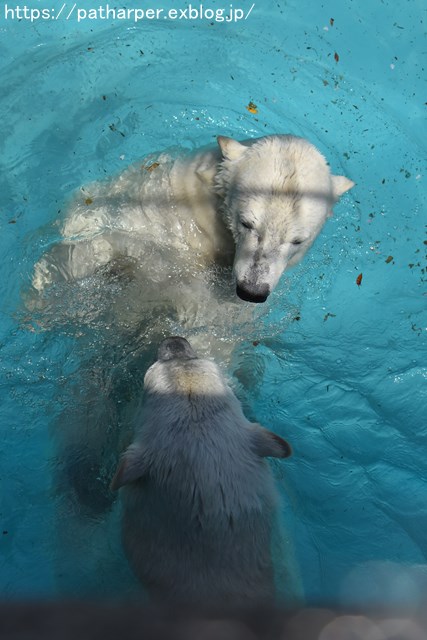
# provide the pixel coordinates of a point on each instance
(175, 347)
(255, 294)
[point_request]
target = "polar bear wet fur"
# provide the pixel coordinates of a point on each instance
(200, 506)
(257, 205)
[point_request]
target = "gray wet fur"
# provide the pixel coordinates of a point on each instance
(200, 509)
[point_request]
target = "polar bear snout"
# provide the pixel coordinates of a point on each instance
(175, 347)
(257, 294)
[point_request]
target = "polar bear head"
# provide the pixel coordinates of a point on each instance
(278, 192)
(189, 407)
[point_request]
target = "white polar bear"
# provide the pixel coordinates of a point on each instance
(200, 519)
(257, 205)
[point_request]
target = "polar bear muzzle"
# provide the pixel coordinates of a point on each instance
(258, 293)
(175, 347)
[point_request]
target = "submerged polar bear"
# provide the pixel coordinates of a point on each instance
(257, 205)
(200, 518)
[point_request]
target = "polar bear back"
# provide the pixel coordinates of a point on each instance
(161, 200)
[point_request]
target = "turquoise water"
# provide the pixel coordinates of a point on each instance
(341, 367)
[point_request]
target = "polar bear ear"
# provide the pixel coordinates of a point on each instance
(341, 184)
(231, 149)
(132, 467)
(206, 172)
(269, 445)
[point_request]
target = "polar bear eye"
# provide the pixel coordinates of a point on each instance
(247, 225)
(297, 241)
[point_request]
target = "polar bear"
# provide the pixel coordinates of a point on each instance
(256, 206)
(200, 519)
